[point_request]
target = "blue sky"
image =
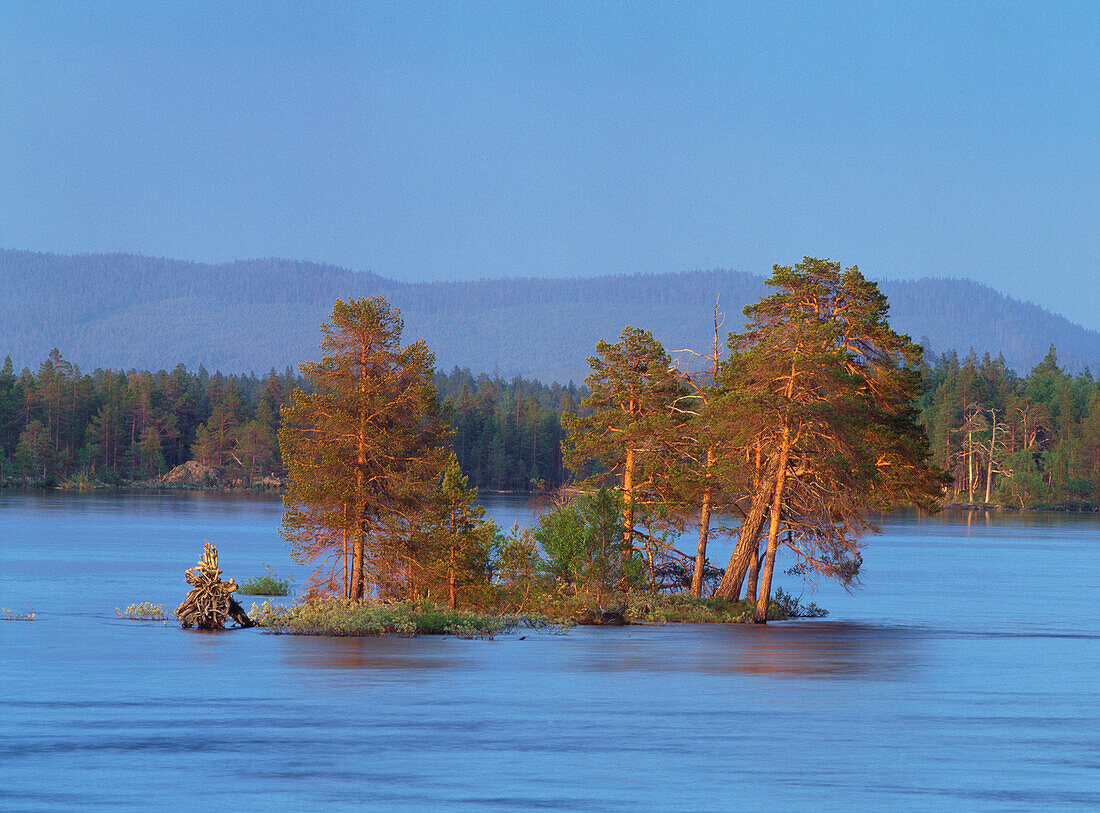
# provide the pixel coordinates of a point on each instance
(464, 140)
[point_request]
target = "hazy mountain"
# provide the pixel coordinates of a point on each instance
(125, 311)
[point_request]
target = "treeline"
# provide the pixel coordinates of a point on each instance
(1030, 442)
(1025, 442)
(508, 433)
(61, 425)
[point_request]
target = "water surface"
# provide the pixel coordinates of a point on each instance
(962, 675)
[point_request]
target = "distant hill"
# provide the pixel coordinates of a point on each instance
(126, 311)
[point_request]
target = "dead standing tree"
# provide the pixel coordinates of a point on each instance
(210, 601)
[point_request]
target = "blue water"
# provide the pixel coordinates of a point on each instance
(962, 675)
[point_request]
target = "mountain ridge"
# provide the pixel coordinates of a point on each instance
(131, 311)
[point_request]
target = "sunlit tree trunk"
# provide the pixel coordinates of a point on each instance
(628, 504)
(748, 543)
(751, 577)
(704, 531)
(761, 614)
(970, 467)
(344, 545)
(992, 448)
(357, 586)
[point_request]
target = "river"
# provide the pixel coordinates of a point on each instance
(962, 675)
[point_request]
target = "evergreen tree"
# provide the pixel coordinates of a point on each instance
(452, 542)
(829, 400)
(624, 418)
(364, 449)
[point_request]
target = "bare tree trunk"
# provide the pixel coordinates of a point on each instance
(704, 533)
(628, 504)
(708, 488)
(989, 477)
(970, 467)
(751, 577)
(748, 543)
(761, 614)
(992, 447)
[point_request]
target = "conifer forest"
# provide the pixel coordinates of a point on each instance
(1013, 440)
(61, 426)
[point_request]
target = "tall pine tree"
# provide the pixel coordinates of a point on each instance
(364, 449)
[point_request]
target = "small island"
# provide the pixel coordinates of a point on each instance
(803, 428)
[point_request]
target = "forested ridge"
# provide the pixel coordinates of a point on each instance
(118, 311)
(1034, 439)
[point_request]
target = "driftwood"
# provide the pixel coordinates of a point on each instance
(210, 601)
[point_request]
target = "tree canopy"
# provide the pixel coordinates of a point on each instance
(823, 389)
(624, 418)
(363, 449)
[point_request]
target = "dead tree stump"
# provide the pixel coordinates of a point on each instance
(210, 601)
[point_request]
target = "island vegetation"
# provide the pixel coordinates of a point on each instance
(800, 428)
(268, 584)
(805, 428)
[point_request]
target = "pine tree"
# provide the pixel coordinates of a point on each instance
(625, 418)
(825, 390)
(452, 543)
(364, 449)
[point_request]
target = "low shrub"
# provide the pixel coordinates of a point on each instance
(143, 612)
(787, 606)
(340, 617)
(665, 608)
(267, 585)
(651, 607)
(8, 615)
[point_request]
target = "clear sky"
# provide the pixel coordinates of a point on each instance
(462, 140)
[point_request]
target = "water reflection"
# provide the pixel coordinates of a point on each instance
(825, 649)
(369, 654)
(819, 649)
(921, 691)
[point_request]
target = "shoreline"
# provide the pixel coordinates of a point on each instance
(278, 490)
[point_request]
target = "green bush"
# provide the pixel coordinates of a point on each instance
(267, 585)
(786, 606)
(583, 546)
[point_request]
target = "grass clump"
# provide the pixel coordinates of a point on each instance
(664, 608)
(143, 612)
(340, 617)
(267, 585)
(642, 606)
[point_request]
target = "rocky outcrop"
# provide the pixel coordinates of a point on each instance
(192, 473)
(201, 475)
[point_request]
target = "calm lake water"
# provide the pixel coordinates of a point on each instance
(963, 675)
